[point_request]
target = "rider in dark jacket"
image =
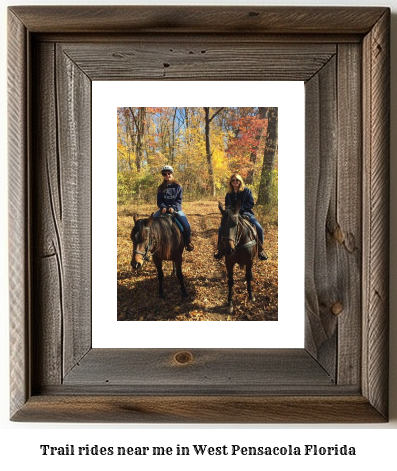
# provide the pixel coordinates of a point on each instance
(169, 200)
(238, 192)
(244, 196)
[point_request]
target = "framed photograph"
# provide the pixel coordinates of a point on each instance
(157, 135)
(56, 56)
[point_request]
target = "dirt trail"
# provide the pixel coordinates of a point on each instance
(205, 277)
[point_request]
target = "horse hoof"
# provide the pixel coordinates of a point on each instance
(230, 309)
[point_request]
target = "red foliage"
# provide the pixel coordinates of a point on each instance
(245, 143)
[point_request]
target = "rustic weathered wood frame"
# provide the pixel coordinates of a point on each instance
(343, 56)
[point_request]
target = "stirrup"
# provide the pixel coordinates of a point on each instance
(189, 246)
(262, 255)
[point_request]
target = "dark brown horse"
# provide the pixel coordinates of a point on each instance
(240, 245)
(160, 239)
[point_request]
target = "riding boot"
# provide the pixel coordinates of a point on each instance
(262, 255)
(189, 245)
(218, 255)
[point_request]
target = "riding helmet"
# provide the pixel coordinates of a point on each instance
(167, 168)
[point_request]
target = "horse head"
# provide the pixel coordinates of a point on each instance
(229, 226)
(141, 242)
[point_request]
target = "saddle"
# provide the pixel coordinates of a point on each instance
(172, 219)
(261, 253)
(246, 222)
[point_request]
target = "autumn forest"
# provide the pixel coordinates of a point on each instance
(204, 146)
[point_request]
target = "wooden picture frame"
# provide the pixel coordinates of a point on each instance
(342, 54)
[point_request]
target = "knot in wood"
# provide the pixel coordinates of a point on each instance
(183, 358)
(338, 235)
(337, 308)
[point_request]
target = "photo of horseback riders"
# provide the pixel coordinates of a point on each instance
(197, 214)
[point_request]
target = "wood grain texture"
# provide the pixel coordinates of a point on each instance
(18, 213)
(198, 19)
(155, 39)
(341, 376)
(223, 59)
(333, 215)
(347, 225)
(46, 203)
(376, 90)
(321, 263)
(74, 135)
(199, 409)
(62, 205)
(156, 370)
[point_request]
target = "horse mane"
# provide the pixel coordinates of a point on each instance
(166, 237)
(246, 225)
(247, 229)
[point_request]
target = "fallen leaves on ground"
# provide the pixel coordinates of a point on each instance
(205, 277)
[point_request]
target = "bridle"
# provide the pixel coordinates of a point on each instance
(148, 246)
(239, 233)
(233, 232)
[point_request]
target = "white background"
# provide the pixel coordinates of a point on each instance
(19, 445)
(288, 332)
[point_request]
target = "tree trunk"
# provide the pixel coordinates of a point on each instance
(208, 147)
(129, 141)
(269, 159)
(208, 150)
(139, 140)
(139, 122)
(172, 150)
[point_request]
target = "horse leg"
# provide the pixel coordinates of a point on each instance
(230, 282)
(248, 277)
(160, 276)
(179, 274)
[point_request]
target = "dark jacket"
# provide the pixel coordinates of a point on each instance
(171, 198)
(246, 198)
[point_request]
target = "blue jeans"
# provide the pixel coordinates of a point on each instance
(253, 221)
(259, 228)
(180, 215)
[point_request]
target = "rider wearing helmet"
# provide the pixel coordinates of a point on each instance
(169, 200)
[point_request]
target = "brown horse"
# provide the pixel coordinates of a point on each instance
(240, 245)
(160, 239)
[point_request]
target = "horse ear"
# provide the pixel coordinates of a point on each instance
(220, 206)
(135, 218)
(150, 220)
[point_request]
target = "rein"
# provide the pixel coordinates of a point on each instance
(146, 254)
(238, 237)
